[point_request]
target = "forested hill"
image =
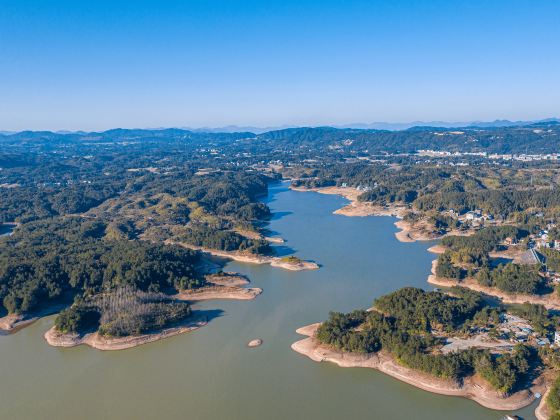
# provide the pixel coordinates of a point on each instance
(534, 138)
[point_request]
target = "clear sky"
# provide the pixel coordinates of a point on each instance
(103, 64)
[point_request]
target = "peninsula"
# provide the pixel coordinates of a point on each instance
(408, 334)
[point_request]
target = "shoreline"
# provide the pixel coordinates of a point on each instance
(11, 227)
(12, 323)
(356, 208)
(472, 389)
(219, 292)
(252, 259)
(550, 301)
(407, 232)
(258, 236)
(94, 340)
(226, 285)
(542, 412)
(222, 286)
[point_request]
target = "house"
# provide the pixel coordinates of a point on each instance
(510, 241)
(557, 338)
(363, 189)
(543, 341)
(475, 215)
(542, 243)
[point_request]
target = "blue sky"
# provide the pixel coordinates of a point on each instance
(101, 64)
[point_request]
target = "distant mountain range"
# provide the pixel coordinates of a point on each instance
(384, 125)
(362, 126)
(501, 137)
(447, 124)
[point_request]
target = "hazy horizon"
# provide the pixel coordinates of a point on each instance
(382, 125)
(72, 66)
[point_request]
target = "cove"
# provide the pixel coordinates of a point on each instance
(211, 374)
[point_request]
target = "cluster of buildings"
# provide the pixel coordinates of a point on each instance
(360, 188)
(493, 156)
(364, 188)
(473, 216)
(518, 330)
(542, 240)
(478, 216)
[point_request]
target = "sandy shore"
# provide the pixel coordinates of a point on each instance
(356, 208)
(421, 231)
(274, 239)
(226, 285)
(219, 292)
(437, 249)
(413, 233)
(472, 387)
(254, 259)
(227, 278)
(14, 322)
(550, 301)
(257, 236)
(58, 339)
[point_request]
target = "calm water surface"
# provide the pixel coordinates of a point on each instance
(6, 228)
(211, 374)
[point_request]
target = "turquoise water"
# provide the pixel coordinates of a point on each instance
(211, 374)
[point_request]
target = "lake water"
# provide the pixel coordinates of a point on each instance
(211, 374)
(6, 228)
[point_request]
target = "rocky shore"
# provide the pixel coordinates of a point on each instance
(473, 388)
(550, 300)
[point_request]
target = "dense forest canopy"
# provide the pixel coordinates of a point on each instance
(43, 260)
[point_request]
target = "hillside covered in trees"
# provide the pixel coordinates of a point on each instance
(96, 211)
(404, 324)
(94, 214)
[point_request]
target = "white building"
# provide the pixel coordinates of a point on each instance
(557, 338)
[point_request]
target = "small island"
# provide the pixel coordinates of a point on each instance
(447, 343)
(255, 343)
